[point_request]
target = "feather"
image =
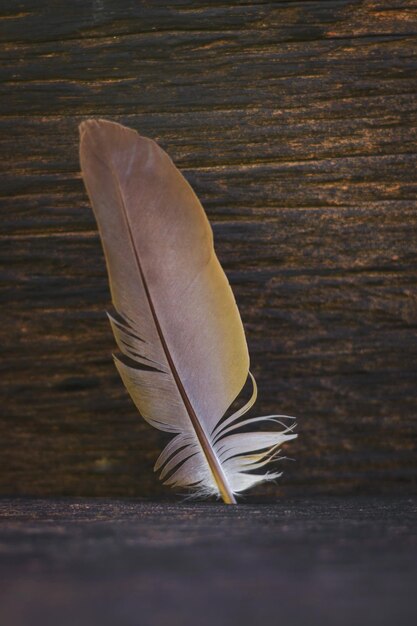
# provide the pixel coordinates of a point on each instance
(183, 353)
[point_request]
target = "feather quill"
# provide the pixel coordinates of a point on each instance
(183, 353)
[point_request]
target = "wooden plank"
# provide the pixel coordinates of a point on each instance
(296, 124)
(306, 561)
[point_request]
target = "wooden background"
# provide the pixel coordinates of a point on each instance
(296, 124)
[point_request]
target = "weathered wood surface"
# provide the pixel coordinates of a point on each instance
(316, 561)
(296, 124)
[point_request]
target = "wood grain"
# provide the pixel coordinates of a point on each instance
(332, 560)
(296, 123)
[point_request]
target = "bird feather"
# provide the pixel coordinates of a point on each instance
(183, 353)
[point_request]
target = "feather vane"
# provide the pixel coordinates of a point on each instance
(183, 353)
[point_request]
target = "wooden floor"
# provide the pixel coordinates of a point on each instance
(298, 562)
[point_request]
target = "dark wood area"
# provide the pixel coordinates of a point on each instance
(318, 561)
(296, 123)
